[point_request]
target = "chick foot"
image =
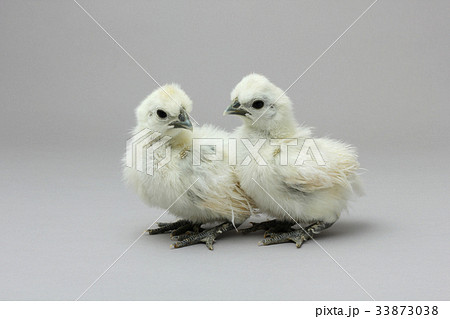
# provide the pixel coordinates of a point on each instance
(177, 228)
(207, 236)
(298, 236)
(185, 231)
(270, 226)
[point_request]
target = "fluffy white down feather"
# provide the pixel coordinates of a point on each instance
(309, 192)
(215, 196)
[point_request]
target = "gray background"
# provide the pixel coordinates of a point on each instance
(68, 94)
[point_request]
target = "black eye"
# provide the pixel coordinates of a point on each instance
(258, 104)
(161, 114)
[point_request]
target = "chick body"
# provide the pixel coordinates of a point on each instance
(214, 195)
(203, 193)
(285, 190)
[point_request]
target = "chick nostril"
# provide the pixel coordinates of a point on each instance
(181, 117)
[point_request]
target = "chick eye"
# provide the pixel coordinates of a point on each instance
(258, 104)
(161, 114)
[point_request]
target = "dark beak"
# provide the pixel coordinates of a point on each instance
(236, 108)
(183, 121)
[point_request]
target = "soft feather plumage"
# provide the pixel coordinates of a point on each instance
(307, 193)
(215, 195)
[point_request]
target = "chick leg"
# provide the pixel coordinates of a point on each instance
(207, 236)
(270, 226)
(185, 231)
(181, 225)
(298, 236)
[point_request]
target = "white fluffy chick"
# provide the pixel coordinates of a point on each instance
(197, 194)
(309, 192)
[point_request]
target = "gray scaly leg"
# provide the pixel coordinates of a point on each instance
(180, 226)
(207, 236)
(186, 231)
(298, 236)
(270, 226)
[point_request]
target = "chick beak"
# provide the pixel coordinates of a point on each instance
(236, 108)
(183, 121)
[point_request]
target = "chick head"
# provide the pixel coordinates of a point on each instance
(165, 110)
(259, 102)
